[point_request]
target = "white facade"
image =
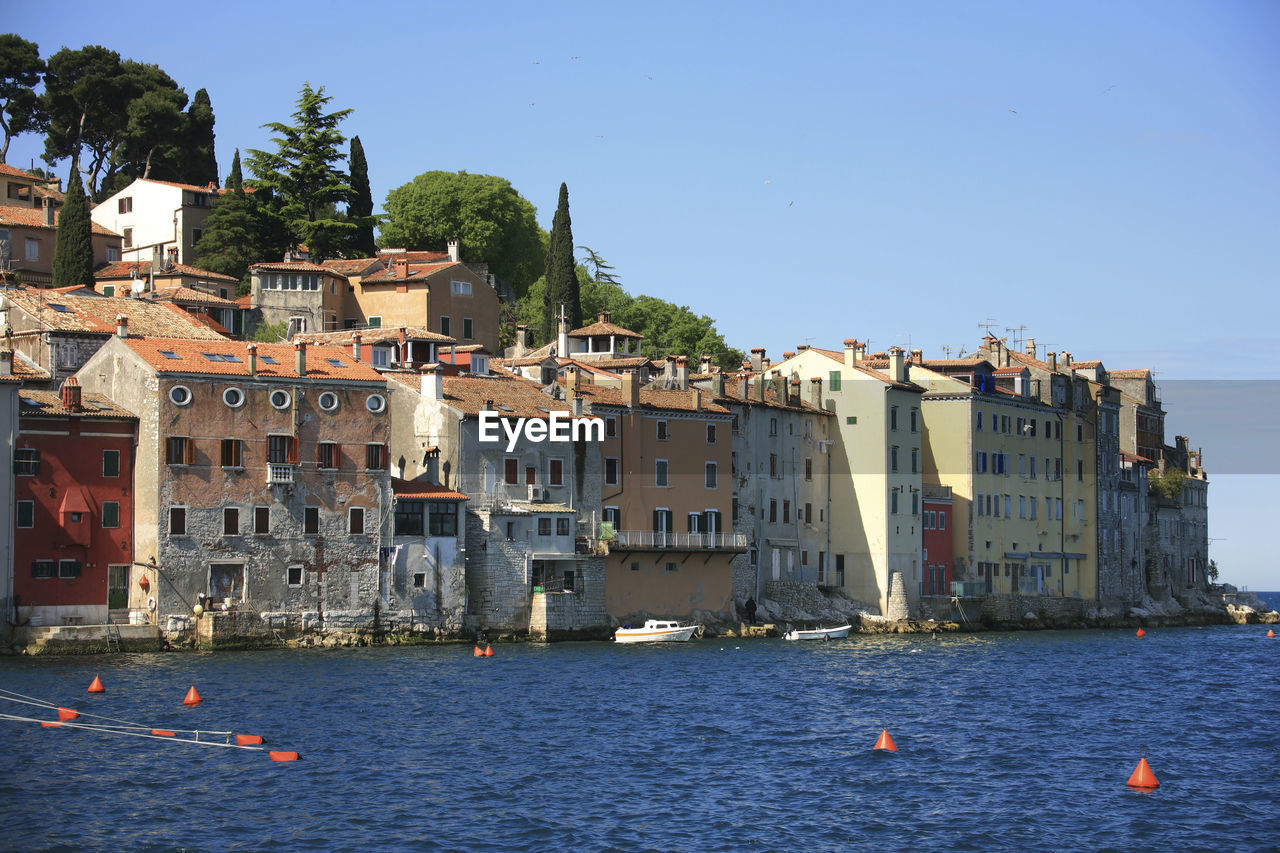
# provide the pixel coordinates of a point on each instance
(156, 216)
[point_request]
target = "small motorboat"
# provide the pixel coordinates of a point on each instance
(656, 631)
(817, 633)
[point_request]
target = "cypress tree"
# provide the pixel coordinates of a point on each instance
(232, 238)
(73, 247)
(562, 275)
(199, 166)
(360, 208)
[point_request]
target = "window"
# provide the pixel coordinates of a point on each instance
(179, 450)
(26, 462)
(233, 397)
(773, 510)
(196, 234)
(329, 401)
(610, 427)
(834, 382)
(282, 450)
(893, 417)
(467, 329)
(113, 254)
(979, 424)
(914, 415)
(773, 426)
(444, 326)
(44, 569)
(327, 454)
(711, 433)
(232, 456)
(1034, 504)
(979, 502)
(786, 512)
(280, 399)
(808, 513)
(915, 460)
(408, 518)
(1080, 470)
(915, 504)
(711, 478)
(109, 289)
(893, 502)
(562, 526)
(460, 288)
(375, 456)
(297, 326)
(893, 458)
(261, 520)
(773, 465)
(68, 568)
(611, 471)
(980, 462)
(230, 521)
(544, 525)
(942, 521)
(530, 475)
(442, 519)
(555, 472)
(293, 576)
(355, 521)
(199, 199)
(124, 205)
(177, 521)
(808, 467)
(662, 430)
(375, 403)
(27, 514)
(1022, 506)
(1079, 432)
(660, 472)
(180, 395)
(311, 520)
(110, 514)
(1006, 506)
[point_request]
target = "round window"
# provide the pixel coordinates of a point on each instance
(376, 403)
(233, 397)
(180, 395)
(281, 399)
(329, 401)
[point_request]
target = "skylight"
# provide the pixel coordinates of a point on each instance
(336, 362)
(167, 353)
(220, 356)
(59, 307)
(266, 359)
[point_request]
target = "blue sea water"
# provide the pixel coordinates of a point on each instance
(1017, 741)
(1271, 599)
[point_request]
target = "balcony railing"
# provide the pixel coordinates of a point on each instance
(279, 474)
(652, 540)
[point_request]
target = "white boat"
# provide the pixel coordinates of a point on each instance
(656, 631)
(817, 633)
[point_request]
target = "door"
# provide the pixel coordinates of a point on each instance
(117, 587)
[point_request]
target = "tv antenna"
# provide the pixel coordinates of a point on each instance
(1017, 333)
(947, 350)
(987, 324)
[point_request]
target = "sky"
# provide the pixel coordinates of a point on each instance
(1100, 177)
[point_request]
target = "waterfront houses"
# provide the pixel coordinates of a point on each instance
(154, 215)
(261, 480)
(73, 508)
(426, 560)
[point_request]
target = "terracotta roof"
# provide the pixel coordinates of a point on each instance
(731, 391)
(1008, 370)
(1085, 364)
(141, 269)
(188, 356)
(935, 363)
(6, 169)
(33, 217)
(25, 368)
(380, 335)
(40, 403)
(601, 328)
(192, 296)
(294, 266)
(607, 363)
(656, 400)
(414, 255)
(516, 396)
(526, 360)
(191, 187)
(1135, 458)
(94, 314)
(1140, 373)
(424, 491)
(350, 266)
(416, 271)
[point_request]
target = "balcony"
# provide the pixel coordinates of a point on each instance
(652, 540)
(278, 474)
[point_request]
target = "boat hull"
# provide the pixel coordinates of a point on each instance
(818, 633)
(649, 634)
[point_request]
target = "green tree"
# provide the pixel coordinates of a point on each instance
(561, 275)
(198, 163)
(599, 268)
(271, 333)
(20, 71)
(303, 174)
(235, 235)
(83, 106)
(1167, 485)
(360, 210)
(494, 223)
(73, 246)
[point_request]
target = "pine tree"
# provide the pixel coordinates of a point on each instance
(73, 247)
(562, 276)
(233, 237)
(360, 209)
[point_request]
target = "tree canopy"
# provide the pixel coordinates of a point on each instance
(561, 274)
(360, 210)
(20, 70)
(303, 174)
(495, 224)
(238, 232)
(73, 245)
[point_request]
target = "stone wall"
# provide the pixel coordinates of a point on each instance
(498, 582)
(583, 608)
(1043, 608)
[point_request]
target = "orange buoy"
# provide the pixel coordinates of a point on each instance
(248, 740)
(96, 686)
(1141, 633)
(163, 733)
(488, 651)
(193, 698)
(50, 725)
(283, 756)
(1271, 632)
(1142, 777)
(476, 653)
(67, 714)
(886, 742)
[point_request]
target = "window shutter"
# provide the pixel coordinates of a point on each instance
(293, 450)
(189, 451)
(337, 455)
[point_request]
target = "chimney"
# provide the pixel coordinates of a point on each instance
(403, 263)
(6, 362)
(603, 317)
(300, 350)
(717, 384)
(355, 347)
(630, 390)
(793, 392)
(71, 394)
(802, 347)
(704, 365)
(759, 389)
(1053, 360)
(765, 363)
(788, 355)
(453, 249)
(815, 392)
(122, 326)
(850, 352)
(757, 359)
(487, 406)
(433, 382)
(577, 405)
(1066, 359)
(50, 220)
(695, 399)
(253, 359)
(682, 372)
(1031, 347)
(573, 380)
(522, 340)
(897, 370)
(859, 351)
(562, 337)
(917, 356)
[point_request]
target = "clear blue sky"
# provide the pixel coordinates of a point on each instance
(1104, 174)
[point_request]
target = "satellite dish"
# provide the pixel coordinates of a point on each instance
(137, 286)
(552, 352)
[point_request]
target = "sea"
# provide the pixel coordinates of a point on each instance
(1005, 741)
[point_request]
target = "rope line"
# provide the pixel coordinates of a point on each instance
(123, 724)
(119, 731)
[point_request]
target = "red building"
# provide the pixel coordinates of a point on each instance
(73, 519)
(936, 551)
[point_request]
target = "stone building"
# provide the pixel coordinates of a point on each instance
(1178, 515)
(9, 385)
(302, 296)
(428, 588)
(261, 480)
